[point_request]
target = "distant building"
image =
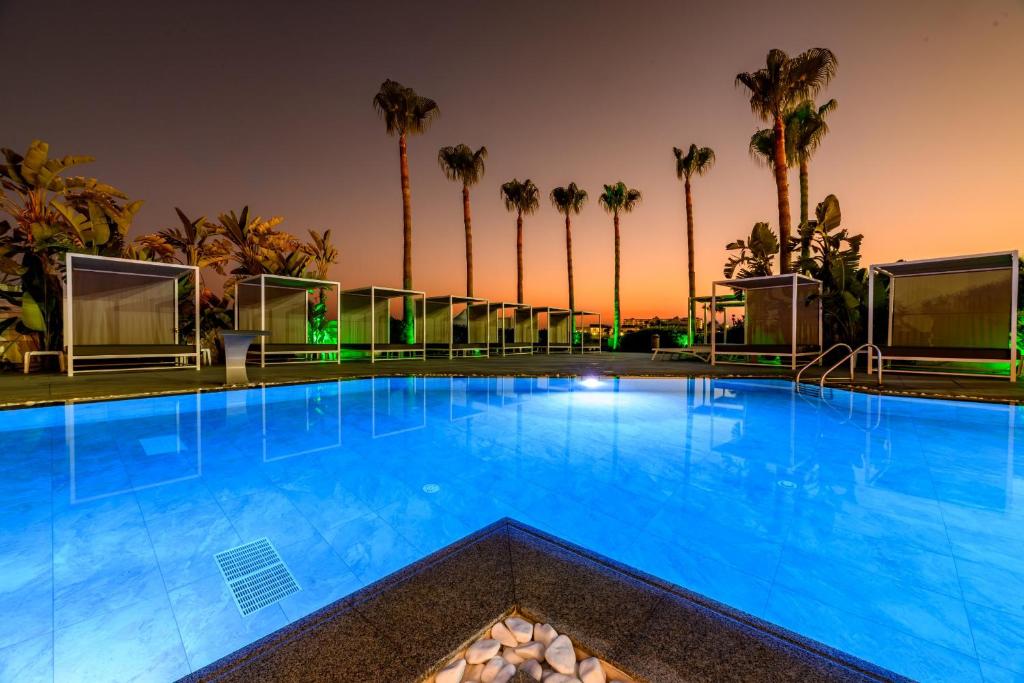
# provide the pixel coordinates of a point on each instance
(636, 324)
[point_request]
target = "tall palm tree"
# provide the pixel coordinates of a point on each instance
(696, 161)
(405, 113)
(805, 127)
(617, 199)
(774, 89)
(461, 163)
(569, 200)
(523, 198)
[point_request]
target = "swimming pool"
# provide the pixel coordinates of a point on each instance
(890, 528)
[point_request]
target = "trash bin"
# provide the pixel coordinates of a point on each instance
(655, 342)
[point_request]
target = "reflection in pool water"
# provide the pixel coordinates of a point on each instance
(887, 527)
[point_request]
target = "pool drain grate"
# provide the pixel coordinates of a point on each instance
(256, 575)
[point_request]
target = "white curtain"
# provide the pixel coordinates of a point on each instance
(769, 315)
(961, 310)
(285, 316)
(119, 308)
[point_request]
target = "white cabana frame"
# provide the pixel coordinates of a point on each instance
(958, 309)
(557, 324)
(441, 318)
(365, 323)
(119, 311)
(790, 291)
(510, 330)
(279, 304)
(588, 343)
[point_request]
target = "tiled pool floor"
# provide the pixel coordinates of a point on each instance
(890, 528)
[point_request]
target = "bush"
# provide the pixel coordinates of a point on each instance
(640, 341)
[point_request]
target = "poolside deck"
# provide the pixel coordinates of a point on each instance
(19, 390)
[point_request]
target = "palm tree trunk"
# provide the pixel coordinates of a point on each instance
(409, 319)
(614, 343)
(691, 271)
(568, 257)
(782, 188)
(467, 218)
(519, 258)
(805, 248)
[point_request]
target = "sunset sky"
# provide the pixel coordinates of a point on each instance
(209, 107)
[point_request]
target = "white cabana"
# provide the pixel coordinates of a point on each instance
(510, 330)
(956, 310)
(456, 326)
(781, 318)
(556, 326)
(589, 342)
(279, 305)
(122, 314)
(365, 326)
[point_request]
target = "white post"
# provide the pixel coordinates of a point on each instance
(199, 327)
(263, 320)
(714, 321)
(422, 325)
(792, 361)
(1014, 278)
(871, 316)
(69, 316)
(373, 324)
(337, 339)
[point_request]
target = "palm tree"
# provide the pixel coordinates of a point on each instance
(405, 113)
(461, 163)
(523, 198)
(696, 161)
(615, 199)
(805, 127)
(569, 200)
(784, 82)
(196, 243)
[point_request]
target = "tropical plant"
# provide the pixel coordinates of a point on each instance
(833, 258)
(195, 243)
(322, 254)
(405, 113)
(805, 127)
(617, 199)
(523, 198)
(569, 200)
(696, 161)
(253, 240)
(51, 214)
(462, 164)
(784, 82)
(756, 253)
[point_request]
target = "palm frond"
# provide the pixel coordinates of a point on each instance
(461, 163)
(521, 197)
(403, 110)
(568, 199)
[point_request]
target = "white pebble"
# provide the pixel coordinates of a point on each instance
(520, 628)
(510, 656)
(506, 674)
(544, 634)
(561, 656)
(501, 633)
(561, 678)
(473, 672)
(532, 668)
(532, 650)
(491, 671)
(591, 671)
(482, 650)
(452, 673)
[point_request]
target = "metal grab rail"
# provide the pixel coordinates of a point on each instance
(822, 355)
(852, 357)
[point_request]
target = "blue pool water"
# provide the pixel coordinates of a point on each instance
(891, 528)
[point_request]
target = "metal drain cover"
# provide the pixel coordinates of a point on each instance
(256, 575)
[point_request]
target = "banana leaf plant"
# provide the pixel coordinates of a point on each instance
(756, 253)
(49, 214)
(832, 255)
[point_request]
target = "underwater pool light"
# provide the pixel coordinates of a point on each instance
(591, 382)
